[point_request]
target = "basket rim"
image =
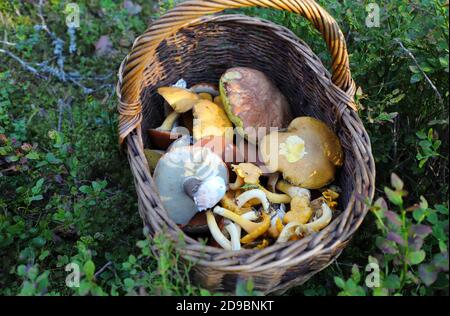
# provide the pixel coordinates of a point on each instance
(344, 115)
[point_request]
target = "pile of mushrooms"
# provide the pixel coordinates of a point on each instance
(211, 187)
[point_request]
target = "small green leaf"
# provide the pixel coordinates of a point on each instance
(51, 158)
(393, 196)
(421, 134)
(204, 292)
(89, 269)
(423, 203)
(44, 254)
(396, 182)
(36, 197)
(38, 241)
(392, 281)
(416, 257)
(85, 189)
(32, 155)
(129, 283)
(356, 275)
(428, 274)
(339, 282)
(21, 270)
(416, 78)
(132, 259)
(380, 291)
(414, 69)
(98, 186)
(13, 158)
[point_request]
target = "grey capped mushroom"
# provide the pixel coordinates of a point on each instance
(190, 180)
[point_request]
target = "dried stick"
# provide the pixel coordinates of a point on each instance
(23, 63)
(408, 52)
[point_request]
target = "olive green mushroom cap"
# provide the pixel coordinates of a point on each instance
(307, 154)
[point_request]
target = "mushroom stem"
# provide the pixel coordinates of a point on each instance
(237, 184)
(169, 121)
(263, 227)
(276, 223)
(251, 216)
(272, 181)
(253, 194)
(292, 190)
(300, 210)
(247, 225)
(205, 193)
(190, 186)
(319, 223)
(235, 235)
(216, 233)
(288, 232)
(275, 197)
(297, 229)
(228, 203)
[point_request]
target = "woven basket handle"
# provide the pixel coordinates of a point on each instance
(132, 68)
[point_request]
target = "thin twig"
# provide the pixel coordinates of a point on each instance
(61, 112)
(102, 269)
(408, 52)
(41, 17)
(5, 38)
(23, 63)
(7, 43)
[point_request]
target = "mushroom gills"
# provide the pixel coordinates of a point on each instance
(184, 162)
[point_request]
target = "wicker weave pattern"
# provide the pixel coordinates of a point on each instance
(132, 70)
(201, 51)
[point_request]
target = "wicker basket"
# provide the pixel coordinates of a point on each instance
(189, 42)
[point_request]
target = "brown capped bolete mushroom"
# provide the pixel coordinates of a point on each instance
(210, 120)
(180, 100)
(253, 102)
(162, 136)
(307, 154)
(189, 180)
(198, 225)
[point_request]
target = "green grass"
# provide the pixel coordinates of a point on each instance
(67, 194)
